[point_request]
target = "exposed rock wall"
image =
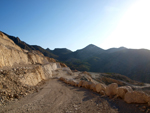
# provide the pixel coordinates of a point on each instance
(38, 74)
(21, 71)
(11, 54)
(40, 67)
(8, 42)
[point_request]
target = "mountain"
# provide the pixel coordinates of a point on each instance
(29, 72)
(28, 47)
(89, 51)
(130, 62)
(61, 51)
(133, 63)
(111, 50)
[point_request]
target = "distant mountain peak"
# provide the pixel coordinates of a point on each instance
(122, 47)
(61, 49)
(111, 50)
(92, 46)
(48, 49)
(88, 51)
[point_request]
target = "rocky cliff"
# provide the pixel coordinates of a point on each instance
(33, 66)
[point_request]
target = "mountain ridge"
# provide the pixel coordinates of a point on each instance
(134, 63)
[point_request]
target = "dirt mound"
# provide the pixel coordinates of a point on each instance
(10, 86)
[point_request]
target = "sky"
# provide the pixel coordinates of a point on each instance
(74, 24)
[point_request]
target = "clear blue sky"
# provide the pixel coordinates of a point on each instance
(74, 24)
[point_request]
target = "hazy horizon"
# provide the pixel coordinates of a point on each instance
(76, 24)
(97, 46)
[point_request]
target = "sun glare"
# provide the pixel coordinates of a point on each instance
(133, 30)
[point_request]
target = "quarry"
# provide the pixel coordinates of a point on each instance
(33, 83)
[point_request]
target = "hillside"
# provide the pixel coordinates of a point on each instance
(28, 47)
(133, 63)
(33, 83)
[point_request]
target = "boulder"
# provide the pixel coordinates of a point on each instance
(66, 81)
(76, 83)
(148, 99)
(62, 79)
(123, 90)
(102, 92)
(70, 82)
(80, 83)
(111, 89)
(100, 87)
(92, 87)
(149, 103)
(86, 84)
(136, 97)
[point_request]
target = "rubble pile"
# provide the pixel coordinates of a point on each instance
(11, 89)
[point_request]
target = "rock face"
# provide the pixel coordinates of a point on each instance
(39, 73)
(21, 71)
(13, 56)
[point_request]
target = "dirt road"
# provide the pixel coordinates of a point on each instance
(57, 97)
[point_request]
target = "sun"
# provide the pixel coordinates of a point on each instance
(133, 30)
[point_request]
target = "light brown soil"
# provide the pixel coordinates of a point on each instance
(57, 97)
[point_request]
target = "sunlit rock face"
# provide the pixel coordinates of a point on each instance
(4, 40)
(38, 74)
(38, 67)
(11, 54)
